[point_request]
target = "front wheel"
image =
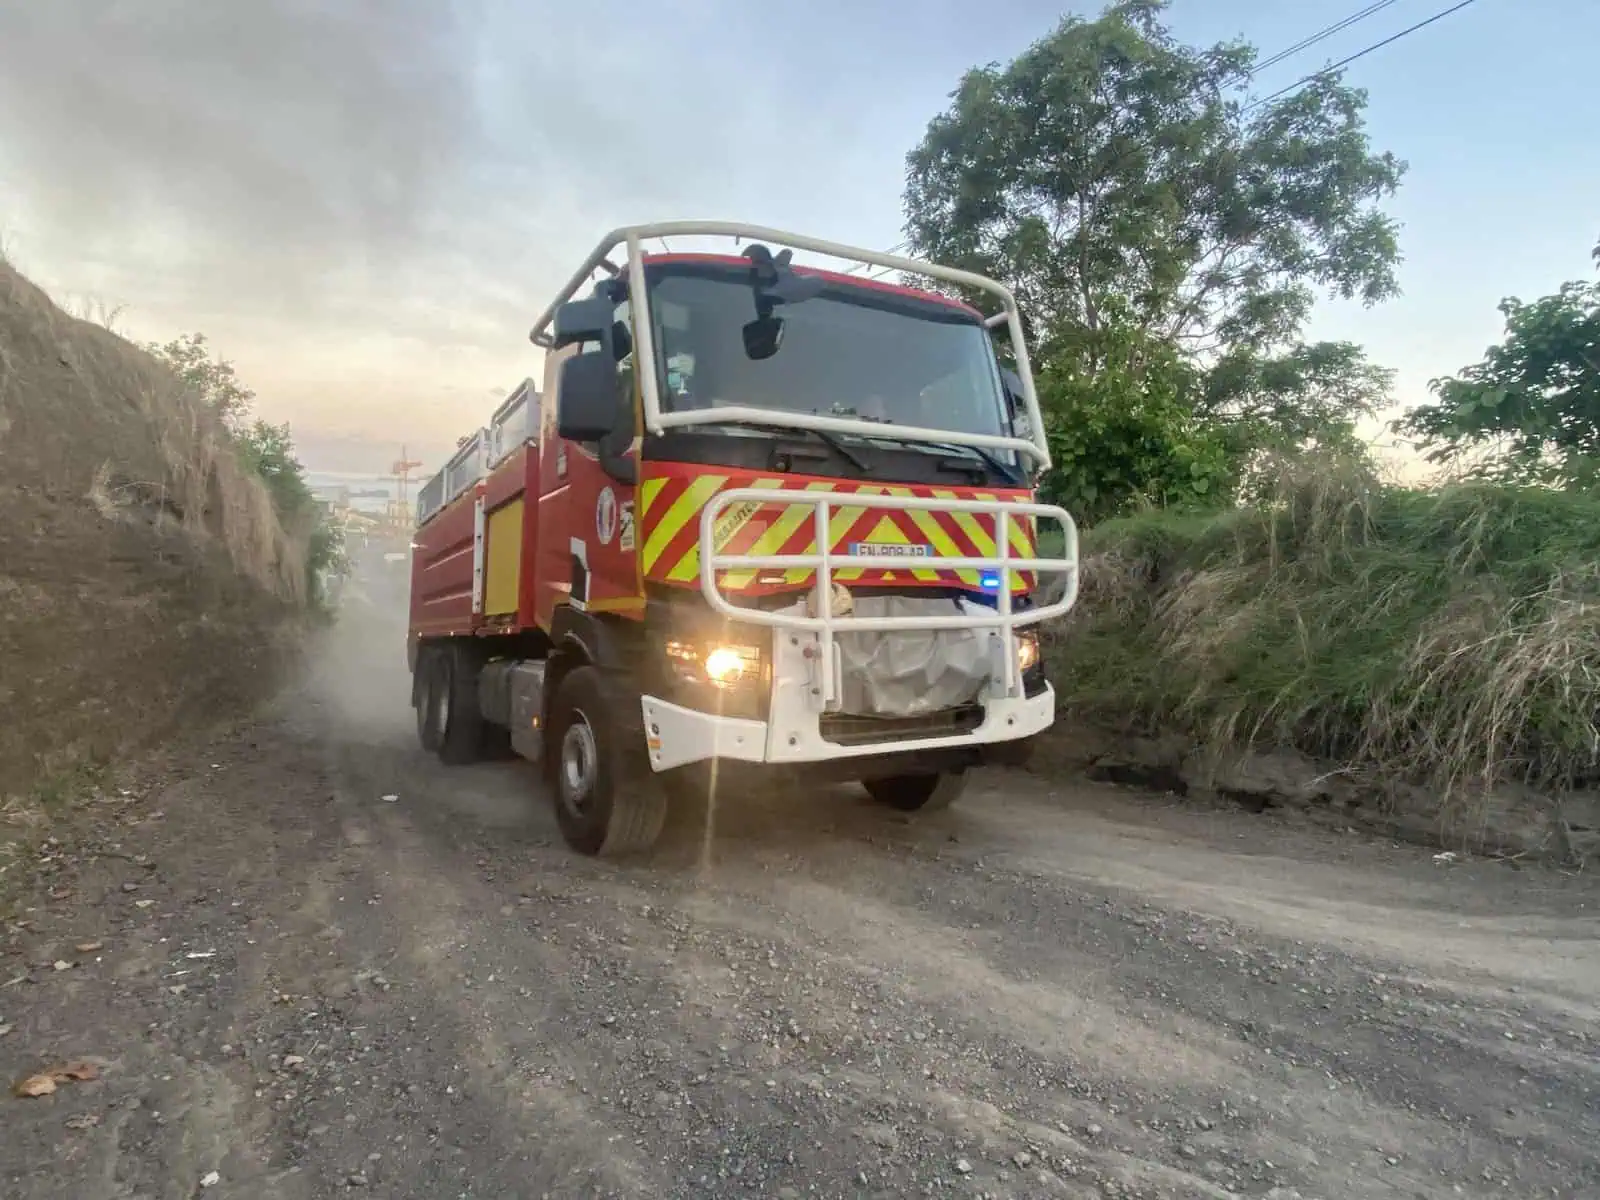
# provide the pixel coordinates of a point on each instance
(607, 801)
(918, 793)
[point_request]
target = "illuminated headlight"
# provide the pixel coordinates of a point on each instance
(722, 666)
(1027, 651)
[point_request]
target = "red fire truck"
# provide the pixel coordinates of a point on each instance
(762, 515)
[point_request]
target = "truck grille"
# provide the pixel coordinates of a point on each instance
(846, 729)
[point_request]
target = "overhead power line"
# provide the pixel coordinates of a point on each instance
(1345, 62)
(1321, 35)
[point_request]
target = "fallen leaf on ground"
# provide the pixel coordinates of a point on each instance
(83, 1121)
(89, 947)
(143, 903)
(45, 1082)
(62, 964)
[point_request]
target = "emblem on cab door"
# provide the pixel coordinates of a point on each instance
(605, 516)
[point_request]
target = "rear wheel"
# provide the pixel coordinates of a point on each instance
(607, 801)
(430, 699)
(918, 793)
(462, 727)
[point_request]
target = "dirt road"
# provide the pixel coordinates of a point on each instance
(328, 966)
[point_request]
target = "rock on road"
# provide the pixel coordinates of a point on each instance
(327, 965)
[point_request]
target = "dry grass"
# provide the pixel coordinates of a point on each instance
(1449, 638)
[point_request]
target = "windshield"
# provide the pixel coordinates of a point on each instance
(854, 352)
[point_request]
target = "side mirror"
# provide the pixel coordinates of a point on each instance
(583, 321)
(590, 399)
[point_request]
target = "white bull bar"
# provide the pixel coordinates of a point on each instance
(825, 625)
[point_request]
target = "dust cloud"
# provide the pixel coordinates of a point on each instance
(357, 674)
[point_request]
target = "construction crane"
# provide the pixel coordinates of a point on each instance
(401, 473)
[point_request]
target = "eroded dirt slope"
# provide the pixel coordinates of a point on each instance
(311, 989)
(143, 576)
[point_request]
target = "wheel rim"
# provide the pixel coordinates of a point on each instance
(580, 759)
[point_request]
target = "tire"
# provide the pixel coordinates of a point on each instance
(430, 730)
(918, 793)
(462, 727)
(607, 801)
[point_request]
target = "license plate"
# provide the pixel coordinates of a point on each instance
(890, 550)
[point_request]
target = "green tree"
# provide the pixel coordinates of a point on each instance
(1114, 181)
(265, 449)
(1531, 406)
(1125, 436)
(1308, 395)
(214, 380)
(268, 450)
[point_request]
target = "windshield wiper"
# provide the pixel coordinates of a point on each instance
(827, 439)
(839, 448)
(993, 462)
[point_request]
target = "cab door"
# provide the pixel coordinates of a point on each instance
(588, 553)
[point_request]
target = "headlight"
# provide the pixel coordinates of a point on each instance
(727, 665)
(721, 666)
(1027, 651)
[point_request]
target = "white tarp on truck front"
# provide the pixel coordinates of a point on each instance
(909, 673)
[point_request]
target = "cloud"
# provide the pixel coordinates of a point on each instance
(365, 203)
(302, 143)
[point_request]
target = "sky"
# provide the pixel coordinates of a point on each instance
(365, 203)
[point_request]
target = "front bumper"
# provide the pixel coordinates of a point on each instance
(677, 736)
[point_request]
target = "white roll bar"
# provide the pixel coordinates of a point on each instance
(825, 561)
(657, 420)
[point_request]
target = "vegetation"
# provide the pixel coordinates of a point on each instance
(1530, 410)
(264, 449)
(1167, 242)
(1448, 636)
(1248, 579)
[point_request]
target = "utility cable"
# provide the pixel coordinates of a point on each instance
(1345, 62)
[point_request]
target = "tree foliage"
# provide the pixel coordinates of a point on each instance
(267, 450)
(1125, 436)
(213, 379)
(1141, 213)
(1533, 401)
(1306, 395)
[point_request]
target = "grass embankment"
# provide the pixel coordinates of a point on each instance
(1447, 638)
(144, 577)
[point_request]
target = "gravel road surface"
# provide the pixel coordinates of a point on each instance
(304, 960)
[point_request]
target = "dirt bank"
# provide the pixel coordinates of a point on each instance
(144, 581)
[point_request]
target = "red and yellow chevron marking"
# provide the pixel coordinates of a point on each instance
(672, 495)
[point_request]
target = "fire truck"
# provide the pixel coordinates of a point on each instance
(762, 516)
